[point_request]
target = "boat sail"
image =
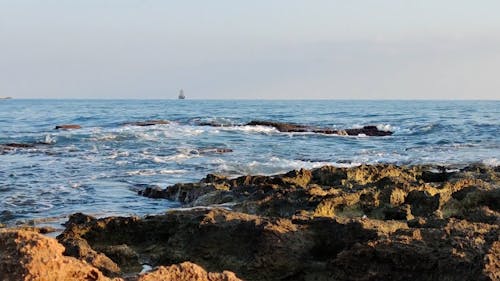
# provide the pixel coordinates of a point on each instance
(181, 95)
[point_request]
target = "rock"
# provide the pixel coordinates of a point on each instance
(492, 262)
(78, 247)
(282, 127)
(67, 127)
(218, 150)
(422, 203)
(294, 128)
(186, 271)
(9, 147)
(260, 248)
(372, 222)
(19, 145)
(147, 123)
(254, 247)
(26, 255)
(329, 175)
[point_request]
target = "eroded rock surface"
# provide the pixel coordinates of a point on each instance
(26, 255)
(384, 192)
(186, 271)
(380, 222)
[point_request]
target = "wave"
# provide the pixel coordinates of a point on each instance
(250, 129)
(152, 172)
(271, 166)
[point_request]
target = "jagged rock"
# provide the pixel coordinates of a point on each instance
(422, 203)
(377, 191)
(26, 255)
(79, 248)
(186, 271)
(492, 262)
(254, 247)
(260, 248)
(380, 222)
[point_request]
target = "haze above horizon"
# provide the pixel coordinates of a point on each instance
(325, 49)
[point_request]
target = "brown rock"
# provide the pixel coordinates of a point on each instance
(186, 271)
(26, 255)
(492, 262)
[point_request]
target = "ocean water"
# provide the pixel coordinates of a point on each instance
(99, 169)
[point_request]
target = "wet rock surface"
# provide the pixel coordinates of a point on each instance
(186, 271)
(67, 127)
(147, 123)
(298, 128)
(295, 128)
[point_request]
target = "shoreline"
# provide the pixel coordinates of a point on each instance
(369, 222)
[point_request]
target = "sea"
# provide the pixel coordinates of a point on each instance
(100, 168)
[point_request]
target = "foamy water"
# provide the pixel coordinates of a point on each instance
(99, 169)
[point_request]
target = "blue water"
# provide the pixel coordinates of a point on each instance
(99, 169)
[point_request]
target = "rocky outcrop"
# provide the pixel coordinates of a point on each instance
(8, 147)
(318, 248)
(416, 223)
(147, 123)
(379, 192)
(26, 255)
(297, 128)
(372, 222)
(186, 271)
(67, 127)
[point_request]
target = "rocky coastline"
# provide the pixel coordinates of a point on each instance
(371, 222)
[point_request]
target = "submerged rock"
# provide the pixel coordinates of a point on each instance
(8, 147)
(67, 127)
(147, 123)
(295, 128)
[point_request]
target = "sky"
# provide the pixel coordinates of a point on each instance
(259, 49)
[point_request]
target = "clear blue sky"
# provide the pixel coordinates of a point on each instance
(398, 49)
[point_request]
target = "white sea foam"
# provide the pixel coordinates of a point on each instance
(116, 154)
(250, 129)
(387, 127)
(270, 166)
(152, 172)
(493, 162)
(48, 139)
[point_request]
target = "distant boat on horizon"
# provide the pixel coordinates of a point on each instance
(5, 98)
(181, 95)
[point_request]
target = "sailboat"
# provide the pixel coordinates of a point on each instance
(181, 95)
